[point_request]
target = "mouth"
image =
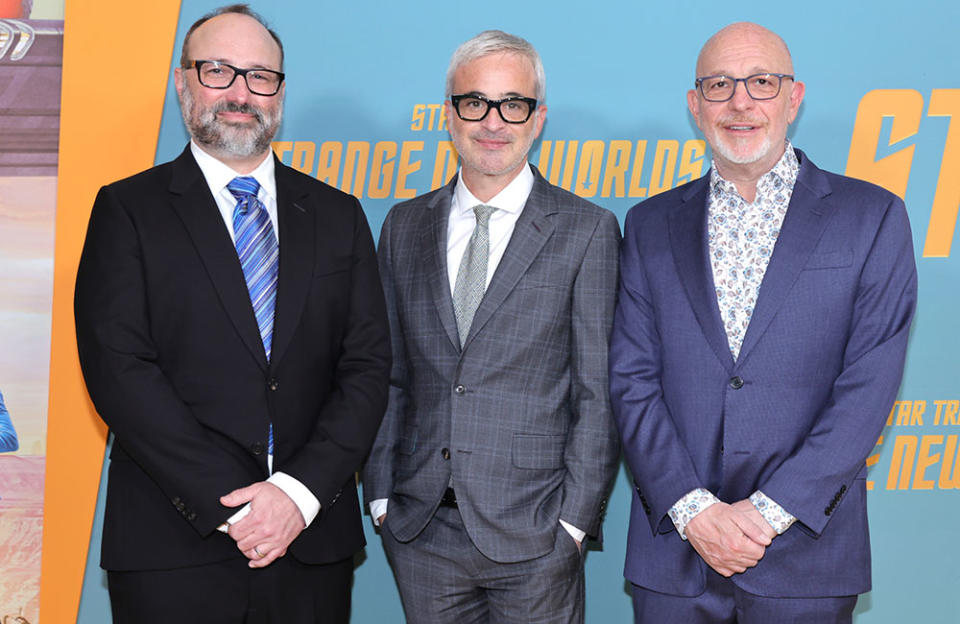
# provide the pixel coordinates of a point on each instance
(237, 113)
(491, 143)
(740, 127)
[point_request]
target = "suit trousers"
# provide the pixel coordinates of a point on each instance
(444, 579)
(229, 592)
(722, 602)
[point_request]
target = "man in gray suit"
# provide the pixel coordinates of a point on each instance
(498, 445)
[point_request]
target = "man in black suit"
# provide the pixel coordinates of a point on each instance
(243, 374)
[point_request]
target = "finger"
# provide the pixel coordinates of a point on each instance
(267, 559)
(755, 527)
(240, 496)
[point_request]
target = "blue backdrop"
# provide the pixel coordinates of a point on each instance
(364, 88)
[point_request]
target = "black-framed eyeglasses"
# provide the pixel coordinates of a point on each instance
(217, 75)
(721, 88)
(515, 109)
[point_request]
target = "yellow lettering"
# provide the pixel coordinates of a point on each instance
(328, 166)
(569, 165)
(591, 159)
(355, 169)
(433, 114)
(381, 172)
(635, 189)
(925, 460)
(618, 158)
(946, 201)
(302, 159)
(951, 459)
(444, 164)
(903, 413)
(664, 165)
(893, 171)
(280, 148)
(691, 160)
(406, 168)
(904, 451)
(916, 415)
(558, 147)
(418, 116)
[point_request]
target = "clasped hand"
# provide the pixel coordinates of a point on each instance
(730, 538)
(274, 521)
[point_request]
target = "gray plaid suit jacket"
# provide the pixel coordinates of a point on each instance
(520, 416)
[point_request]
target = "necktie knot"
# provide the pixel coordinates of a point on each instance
(483, 212)
(244, 188)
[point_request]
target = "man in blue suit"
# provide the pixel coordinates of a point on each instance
(758, 344)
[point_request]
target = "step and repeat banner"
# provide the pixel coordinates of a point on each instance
(364, 113)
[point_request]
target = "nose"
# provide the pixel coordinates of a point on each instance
(493, 120)
(741, 100)
(238, 91)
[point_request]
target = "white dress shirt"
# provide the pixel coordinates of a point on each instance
(460, 225)
(218, 175)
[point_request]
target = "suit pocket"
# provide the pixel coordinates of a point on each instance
(538, 452)
(833, 260)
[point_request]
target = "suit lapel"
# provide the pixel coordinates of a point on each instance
(801, 230)
(531, 232)
(297, 246)
(198, 210)
(688, 240)
(433, 246)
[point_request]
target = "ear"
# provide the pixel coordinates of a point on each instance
(693, 103)
(178, 79)
(540, 117)
(797, 92)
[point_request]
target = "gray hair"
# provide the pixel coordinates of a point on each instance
(492, 42)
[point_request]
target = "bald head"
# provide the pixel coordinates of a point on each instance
(744, 36)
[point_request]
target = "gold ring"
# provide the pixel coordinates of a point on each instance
(256, 549)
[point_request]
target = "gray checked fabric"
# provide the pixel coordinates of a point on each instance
(742, 236)
(472, 275)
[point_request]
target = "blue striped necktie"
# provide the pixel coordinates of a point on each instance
(259, 257)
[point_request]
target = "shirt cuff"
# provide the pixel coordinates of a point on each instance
(777, 516)
(378, 507)
(687, 508)
(574, 532)
(302, 497)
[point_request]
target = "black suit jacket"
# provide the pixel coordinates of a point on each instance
(175, 366)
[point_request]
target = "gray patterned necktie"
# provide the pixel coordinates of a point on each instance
(472, 276)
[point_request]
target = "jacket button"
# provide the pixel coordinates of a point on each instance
(257, 448)
(736, 382)
(445, 453)
(273, 385)
(459, 389)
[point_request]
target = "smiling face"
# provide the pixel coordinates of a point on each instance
(233, 125)
(746, 135)
(492, 152)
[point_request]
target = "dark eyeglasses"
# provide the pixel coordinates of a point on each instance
(515, 110)
(217, 75)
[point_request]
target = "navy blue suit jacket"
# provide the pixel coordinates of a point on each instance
(799, 410)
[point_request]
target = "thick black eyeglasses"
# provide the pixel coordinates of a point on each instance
(217, 75)
(515, 110)
(759, 86)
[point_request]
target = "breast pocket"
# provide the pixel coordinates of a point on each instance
(832, 260)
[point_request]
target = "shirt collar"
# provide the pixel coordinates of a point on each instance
(511, 199)
(218, 174)
(783, 175)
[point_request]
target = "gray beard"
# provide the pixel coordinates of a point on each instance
(230, 140)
